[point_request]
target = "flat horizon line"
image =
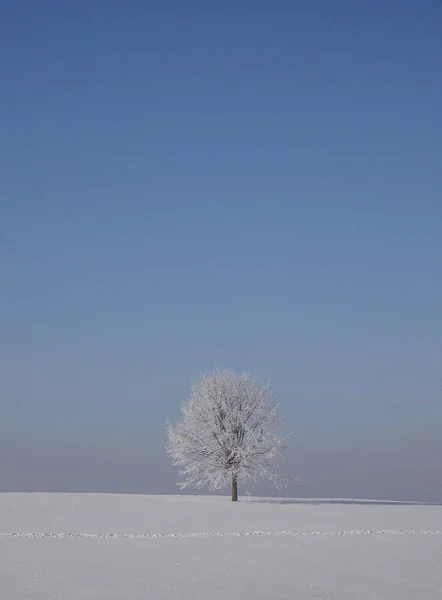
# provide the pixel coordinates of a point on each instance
(242, 498)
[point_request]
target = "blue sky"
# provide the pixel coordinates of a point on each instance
(196, 184)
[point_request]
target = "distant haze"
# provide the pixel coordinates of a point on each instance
(188, 185)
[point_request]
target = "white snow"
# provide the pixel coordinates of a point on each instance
(84, 546)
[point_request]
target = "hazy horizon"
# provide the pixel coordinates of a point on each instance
(188, 186)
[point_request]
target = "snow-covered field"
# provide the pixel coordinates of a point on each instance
(92, 546)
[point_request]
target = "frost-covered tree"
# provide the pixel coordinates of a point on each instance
(228, 434)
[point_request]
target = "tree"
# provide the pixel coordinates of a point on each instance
(228, 433)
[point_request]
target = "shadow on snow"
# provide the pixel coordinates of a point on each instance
(318, 501)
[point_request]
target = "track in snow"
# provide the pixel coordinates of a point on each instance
(154, 536)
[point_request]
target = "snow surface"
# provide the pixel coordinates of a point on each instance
(84, 546)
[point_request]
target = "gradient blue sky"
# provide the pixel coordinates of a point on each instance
(191, 184)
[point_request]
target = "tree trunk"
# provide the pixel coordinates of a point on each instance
(234, 489)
